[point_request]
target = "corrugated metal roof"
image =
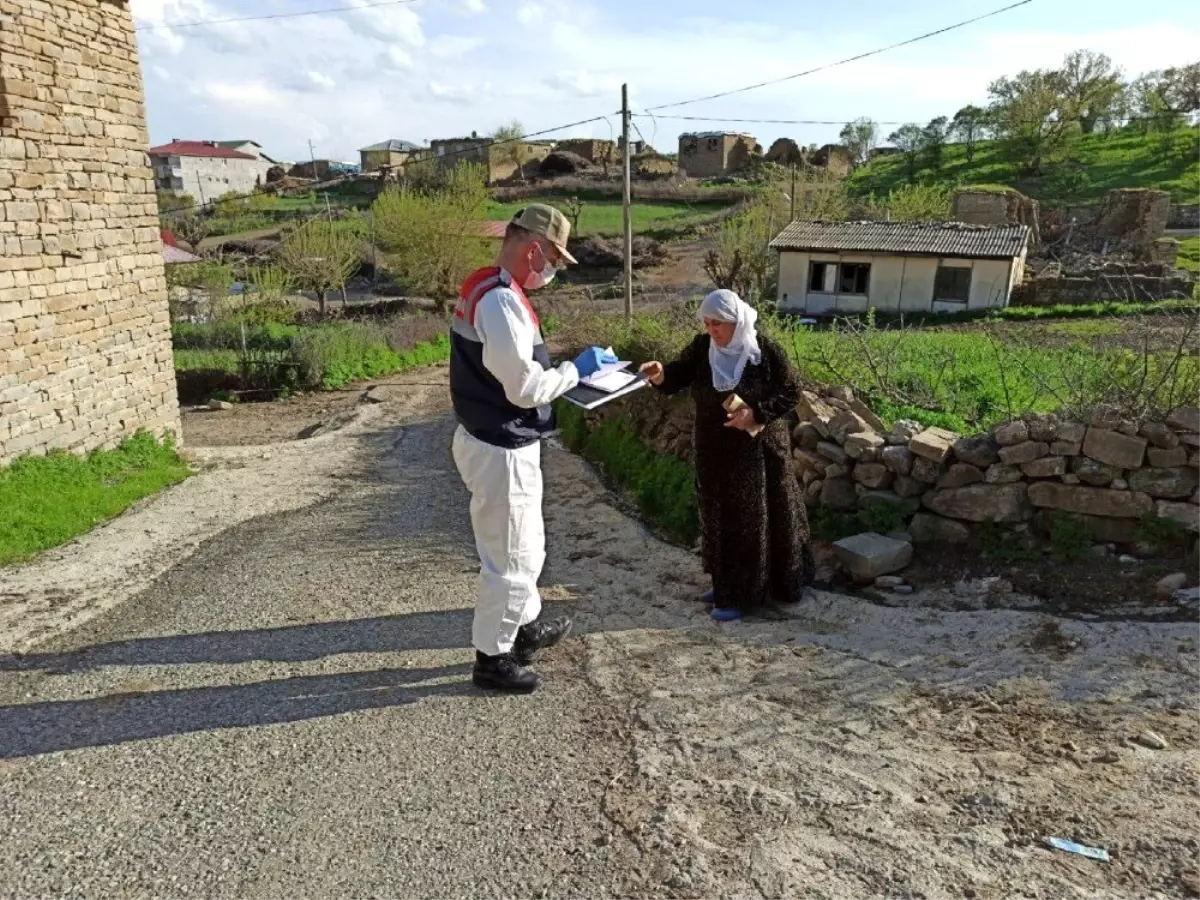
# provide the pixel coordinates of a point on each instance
(394, 145)
(914, 238)
(172, 255)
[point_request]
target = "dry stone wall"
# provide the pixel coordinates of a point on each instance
(85, 340)
(1107, 472)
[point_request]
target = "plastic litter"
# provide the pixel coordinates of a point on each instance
(1079, 849)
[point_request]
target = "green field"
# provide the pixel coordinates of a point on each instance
(603, 217)
(1189, 254)
(47, 500)
(1090, 166)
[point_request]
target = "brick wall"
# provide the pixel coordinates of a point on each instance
(85, 340)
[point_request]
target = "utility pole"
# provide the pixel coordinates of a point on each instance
(625, 202)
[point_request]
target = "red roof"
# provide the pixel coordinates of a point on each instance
(168, 239)
(197, 148)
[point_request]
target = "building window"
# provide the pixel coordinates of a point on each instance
(853, 278)
(713, 144)
(817, 277)
(952, 284)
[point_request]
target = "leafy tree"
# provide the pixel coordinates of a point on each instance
(910, 139)
(432, 237)
(933, 140)
(168, 201)
(1161, 99)
(914, 203)
(971, 124)
(320, 257)
(1031, 115)
(859, 138)
(1092, 88)
(513, 150)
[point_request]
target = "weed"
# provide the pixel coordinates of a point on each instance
(1070, 537)
(1160, 532)
(1005, 546)
(47, 500)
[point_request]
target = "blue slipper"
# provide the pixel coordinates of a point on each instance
(726, 614)
(707, 597)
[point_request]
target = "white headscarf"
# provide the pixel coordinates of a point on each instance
(729, 362)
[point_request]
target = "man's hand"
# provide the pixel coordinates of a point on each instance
(653, 372)
(743, 419)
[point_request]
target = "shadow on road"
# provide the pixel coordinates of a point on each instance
(36, 728)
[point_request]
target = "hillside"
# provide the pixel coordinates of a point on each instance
(1090, 166)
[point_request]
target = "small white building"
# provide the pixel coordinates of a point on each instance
(832, 268)
(206, 170)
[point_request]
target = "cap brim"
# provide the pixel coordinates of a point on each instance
(566, 255)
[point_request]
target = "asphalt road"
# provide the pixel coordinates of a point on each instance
(289, 713)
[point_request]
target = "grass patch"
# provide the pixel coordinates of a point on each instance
(1087, 168)
(48, 500)
(1189, 254)
(663, 485)
(291, 357)
(603, 216)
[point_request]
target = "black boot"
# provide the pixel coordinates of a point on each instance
(503, 673)
(537, 636)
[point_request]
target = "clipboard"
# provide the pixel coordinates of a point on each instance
(587, 397)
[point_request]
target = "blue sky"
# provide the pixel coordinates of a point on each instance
(440, 68)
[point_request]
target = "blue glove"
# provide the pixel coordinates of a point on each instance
(591, 359)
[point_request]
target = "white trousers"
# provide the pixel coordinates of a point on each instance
(506, 515)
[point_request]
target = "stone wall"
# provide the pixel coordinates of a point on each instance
(1009, 207)
(1107, 473)
(1101, 288)
(85, 339)
(1184, 215)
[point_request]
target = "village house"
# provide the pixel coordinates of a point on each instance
(594, 150)
(393, 152)
(828, 268)
(250, 148)
(205, 170)
(709, 154)
(496, 159)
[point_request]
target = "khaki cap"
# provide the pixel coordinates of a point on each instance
(547, 222)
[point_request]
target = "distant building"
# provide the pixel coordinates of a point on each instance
(594, 150)
(832, 268)
(449, 152)
(205, 170)
(393, 152)
(710, 154)
(250, 148)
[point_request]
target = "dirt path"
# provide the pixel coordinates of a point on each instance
(278, 705)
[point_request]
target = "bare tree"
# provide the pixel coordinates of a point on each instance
(511, 146)
(320, 257)
(860, 138)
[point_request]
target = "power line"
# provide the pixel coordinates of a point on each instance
(289, 15)
(846, 121)
(843, 62)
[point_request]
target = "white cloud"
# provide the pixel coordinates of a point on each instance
(386, 23)
(454, 46)
(321, 80)
(396, 58)
(531, 13)
(251, 94)
(473, 7)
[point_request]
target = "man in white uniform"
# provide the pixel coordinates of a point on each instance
(502, 385)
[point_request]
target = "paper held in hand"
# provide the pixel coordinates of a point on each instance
(607, 383)
(732, 404)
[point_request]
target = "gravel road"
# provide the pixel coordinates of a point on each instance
(257, 685)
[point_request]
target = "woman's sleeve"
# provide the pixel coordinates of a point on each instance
(785, 385)
(681, 373)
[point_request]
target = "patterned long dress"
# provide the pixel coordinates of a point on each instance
(754, 529)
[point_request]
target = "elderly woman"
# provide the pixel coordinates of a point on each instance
(754, 531)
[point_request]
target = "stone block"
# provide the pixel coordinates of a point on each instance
(832, 452)
(1066, 448)
(982, 503)
(1002, 473)
(1185, 418)
(806, 436)
(933, 444)
(869, 555)
(960, 475)
(1019, 454)
(807, 461)
(1165, 484)
(1071, 432)
(979, 450)
(926, 470)
(1114, 449)
(839, 494)
(897, 458)
(926, 528)
(905, 486)
(906, 506)
(873, 475)
(1009, 434)
(864, 445)
(903, 431)
(1042, 427)
(1186, 514)
(1190, 440)
(1090, 501)
(816, 411)
(1160, 435)
(846, 423)
(1092, 472)
(1047, 467)
(1167, 459)
(867, 414)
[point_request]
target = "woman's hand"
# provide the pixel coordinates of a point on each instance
(742, 419)
(653, 372)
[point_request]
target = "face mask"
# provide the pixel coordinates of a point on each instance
(535, 280)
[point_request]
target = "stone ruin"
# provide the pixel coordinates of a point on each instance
(1006, 207)
(1132, 220)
